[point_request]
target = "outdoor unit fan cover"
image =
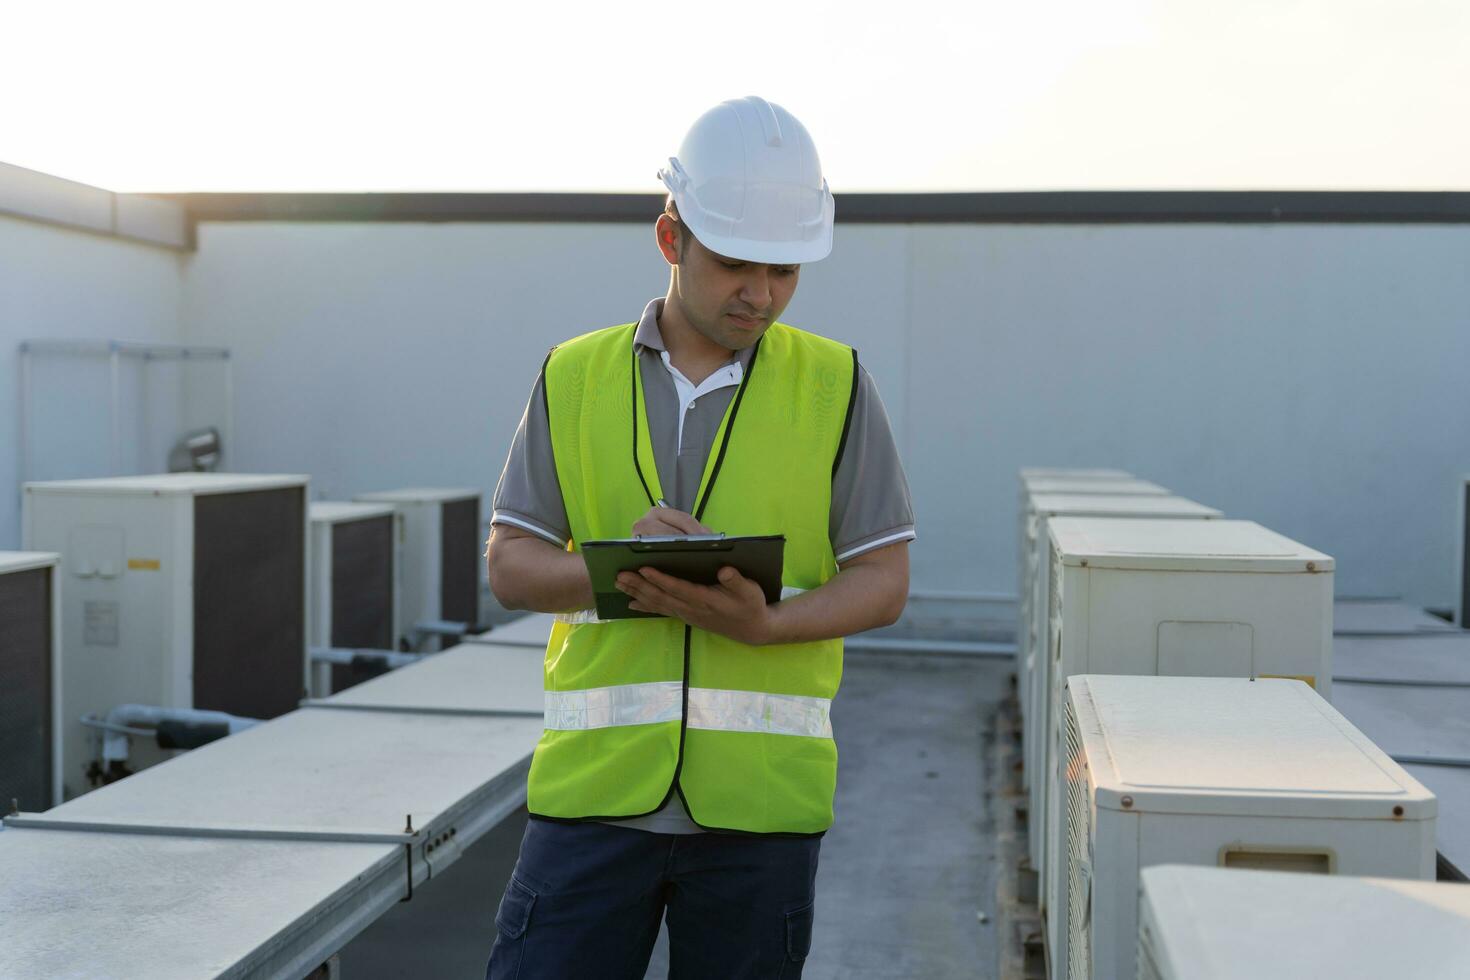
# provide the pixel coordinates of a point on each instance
(26, 687)
(249, 605)
(460, 563)
(362, 593)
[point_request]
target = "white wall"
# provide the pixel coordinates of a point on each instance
(59, 283)
(1309, 377)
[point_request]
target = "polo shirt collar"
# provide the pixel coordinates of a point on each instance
(647, 334)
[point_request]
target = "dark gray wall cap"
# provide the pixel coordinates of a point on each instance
(1039, 207)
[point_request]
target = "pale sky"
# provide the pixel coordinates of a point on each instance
(914, 96)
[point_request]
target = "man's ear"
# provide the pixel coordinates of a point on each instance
(667, 232)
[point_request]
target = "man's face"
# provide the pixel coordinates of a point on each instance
(730, 301)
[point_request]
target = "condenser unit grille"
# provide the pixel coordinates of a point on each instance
(249, 603)
(1301, 862)
(459, 573)
(1054, 585)
(362, 583)
(1078, 868)
(362, 592)
(25, 689)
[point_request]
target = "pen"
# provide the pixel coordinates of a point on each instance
(661, 502)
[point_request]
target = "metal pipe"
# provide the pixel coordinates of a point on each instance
(25, 415)
(1446, 629)
(92, 721)
(228, 458)
(943, 595)
(342, 655)
(128, 348)
(1450, 761)
(126, 716)
(1396, 681)
(115, 374)
(963, 648)
(441, 627)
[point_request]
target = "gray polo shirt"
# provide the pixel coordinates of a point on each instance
(871, 506)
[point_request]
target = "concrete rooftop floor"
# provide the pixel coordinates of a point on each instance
(909, 863)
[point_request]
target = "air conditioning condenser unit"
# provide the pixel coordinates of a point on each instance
(354, 586)
(441, 558)
(1216, 771)
(1031, 625)
(181, 590)
(1221, 924)
(1219, 598)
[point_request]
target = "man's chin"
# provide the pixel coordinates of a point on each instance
(740, 341)
(739, 334)
(733, 338)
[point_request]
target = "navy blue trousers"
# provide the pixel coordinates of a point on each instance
(586, 900)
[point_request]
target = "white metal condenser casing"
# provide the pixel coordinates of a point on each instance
(1229, 924)
(1073, 484)
(180, 590)
(1077, 473)
(369, 539)
(1034, 684)
(1082, 482)
(1217, 771)
(440, 555)
(1184, 598)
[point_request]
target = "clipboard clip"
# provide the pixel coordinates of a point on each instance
(657, 538)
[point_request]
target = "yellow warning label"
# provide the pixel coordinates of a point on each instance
(144, 564)
(1310, 679)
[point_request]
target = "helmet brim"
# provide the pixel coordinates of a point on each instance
(770, 253)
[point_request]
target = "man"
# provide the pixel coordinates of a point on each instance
(687, 767)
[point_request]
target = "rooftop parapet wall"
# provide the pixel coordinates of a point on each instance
(52, 200)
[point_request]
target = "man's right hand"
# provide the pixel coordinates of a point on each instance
(664, 521)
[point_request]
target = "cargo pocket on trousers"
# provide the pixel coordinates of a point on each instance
(799, 932)
(514, 913)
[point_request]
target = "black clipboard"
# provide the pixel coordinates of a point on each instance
(694, 558)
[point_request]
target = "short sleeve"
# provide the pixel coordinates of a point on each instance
(528, 495)
(871, 505)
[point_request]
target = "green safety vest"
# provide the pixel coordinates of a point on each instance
(640, 709)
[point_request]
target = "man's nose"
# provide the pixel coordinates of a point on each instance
(756, 289)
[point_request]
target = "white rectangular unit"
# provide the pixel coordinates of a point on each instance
(1216, 771)
(441, 556)
(1031, 674)
(1042, 472)
(1173, 597)
(1047, 477)
(30, 680)
(1221, 924)
(181, 590)
(1034, 481)
(354, 586)
(1072, 484)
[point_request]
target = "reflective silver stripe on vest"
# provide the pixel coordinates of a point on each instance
(752, 711)
(580, 617)
(709, 709)
(607, 707)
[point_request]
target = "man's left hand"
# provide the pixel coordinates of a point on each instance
(736, 607)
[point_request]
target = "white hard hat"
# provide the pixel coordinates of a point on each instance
(748, 183)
